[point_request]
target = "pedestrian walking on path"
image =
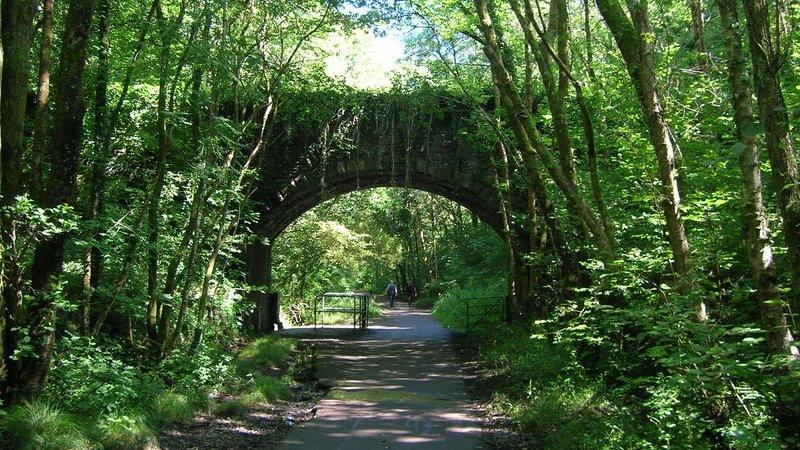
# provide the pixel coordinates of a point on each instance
(411, 293)
(391, 293)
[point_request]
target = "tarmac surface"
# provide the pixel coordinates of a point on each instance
(397, 385)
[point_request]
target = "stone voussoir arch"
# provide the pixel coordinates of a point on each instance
(381, 141)
(324, 146)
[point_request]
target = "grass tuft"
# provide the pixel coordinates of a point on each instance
(39, 425)
(230, 408)
(265, 352)
(125, 430)
(172, 406)
(271, 388)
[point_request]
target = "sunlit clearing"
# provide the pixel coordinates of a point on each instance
(364, 60)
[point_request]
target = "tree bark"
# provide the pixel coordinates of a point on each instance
(556, 87)
(2, 247)
(633, 39)
(98, 185)
(17, 39)
(92, 262)
(43, 100)
(528, 136)
(192, 228)
(62, 188)
(767, 63)
(167, 30)
(18, 31)
(503, 185)
(698, 28)
(757, 235)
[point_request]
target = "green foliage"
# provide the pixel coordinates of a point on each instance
(266, 389)
(230, 408)
(123, 430)
(452, 307)
(173, 406)
(197, 371)
(90, 379)
(39, 425)
(264, 353)
(551, 397)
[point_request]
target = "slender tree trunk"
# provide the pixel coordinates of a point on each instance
(767, 63)
(503, 185)
(92, 261)
(167, 31)
(528, 136)
(43, 101)
(63, 190)
(528, 23)
(99, 184)
(757, 235)
(587, 31)
(698, 27)
(2, 247)
(198, 201)
(154, 208)
(633, 41)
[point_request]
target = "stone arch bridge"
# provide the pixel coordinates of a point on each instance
(327, 144)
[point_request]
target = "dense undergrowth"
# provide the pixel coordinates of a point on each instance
(646, 376)
(97, 399)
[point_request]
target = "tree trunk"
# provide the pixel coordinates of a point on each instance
(767, 62)
(527, 22)
(62, 190)
(698, 27)
(18, 31)
(43, 101)
(192, 228)
(528, 136)
(167, 30)
(2, 247)
(556, 87)
(92, 263)
(633, 42)
(502, 185)
(98, 185)
(17, 39)
(757, 236)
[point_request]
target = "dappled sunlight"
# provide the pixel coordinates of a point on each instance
(397, 384)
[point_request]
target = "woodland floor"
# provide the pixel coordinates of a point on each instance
(407, 382)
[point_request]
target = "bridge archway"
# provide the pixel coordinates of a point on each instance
(330, 145)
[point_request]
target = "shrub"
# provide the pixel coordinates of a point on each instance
(426, 302)
(196, 371)
(451, 308)
(89, 379)
(127, 429)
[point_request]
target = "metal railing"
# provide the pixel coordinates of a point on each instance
(351, 303)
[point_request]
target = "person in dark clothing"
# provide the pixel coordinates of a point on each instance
(391, 293)
(411, 293)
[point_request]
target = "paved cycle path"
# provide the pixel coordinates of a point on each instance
(397, 385)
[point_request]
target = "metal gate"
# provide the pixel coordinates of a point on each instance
(351, 303)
